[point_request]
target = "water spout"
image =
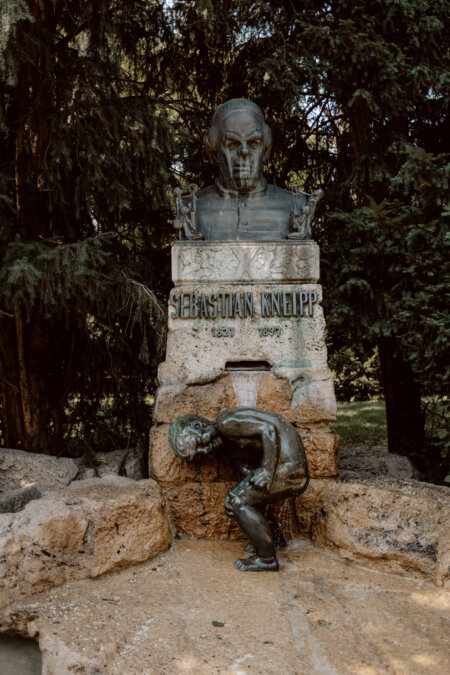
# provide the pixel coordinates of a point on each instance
(246, 385)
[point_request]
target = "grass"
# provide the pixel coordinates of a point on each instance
(361, 424)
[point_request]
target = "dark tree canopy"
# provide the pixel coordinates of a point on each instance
(103, 103)
(86, 151)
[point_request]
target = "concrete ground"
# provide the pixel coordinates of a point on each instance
(191, 611)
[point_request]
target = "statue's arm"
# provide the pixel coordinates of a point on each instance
(230, 425)
(263, 477)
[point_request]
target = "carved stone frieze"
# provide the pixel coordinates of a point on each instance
(255, 262)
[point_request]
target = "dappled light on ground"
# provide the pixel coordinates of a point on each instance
(191, 611)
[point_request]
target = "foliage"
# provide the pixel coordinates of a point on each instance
(86, 150)
(102, 103)
(357, 95)
(356, 376)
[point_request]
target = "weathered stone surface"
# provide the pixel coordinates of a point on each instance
(127, 522)
(313, 397)
(210, 262)
(92, 527)
(319, 614)
(357, 463)
(442, 571)
(396, 526)
(19, 469)
(321, 446)
(308, 400)
(41, 546)
(131, 463)
(12, 501)
(60, 659)
(275, 395)
(196, 510)
(206, 400)
(195, 356)
(166, 467)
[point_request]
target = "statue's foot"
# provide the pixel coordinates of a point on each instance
(249, 548)
(256, 564)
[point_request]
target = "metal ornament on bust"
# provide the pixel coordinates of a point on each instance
(301, 220)
(185, 219)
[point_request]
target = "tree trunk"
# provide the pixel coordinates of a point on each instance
(26, 384)
(13, 427)
(27, 358)
(404, 417)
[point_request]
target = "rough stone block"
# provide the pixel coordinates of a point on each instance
(274, 395)
(197, 510)
(91, 527)
(206, 400)
(396, 526)
(357, 464)
(126, 520)
(130, 463)
(314, 400)
(12, 501)
(307, 401)
(19, 469)
(41, 546)
(321, 447)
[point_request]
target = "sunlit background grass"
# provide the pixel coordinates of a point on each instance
(361, 424)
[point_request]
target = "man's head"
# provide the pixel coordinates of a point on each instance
(239, 141)
(192, 435)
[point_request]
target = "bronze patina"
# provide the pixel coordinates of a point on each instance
(269, 453)
(241, 205)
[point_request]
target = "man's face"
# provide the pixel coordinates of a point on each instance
(241, 152)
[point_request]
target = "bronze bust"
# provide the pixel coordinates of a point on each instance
(241, 206)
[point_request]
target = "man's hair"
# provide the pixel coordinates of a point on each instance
(183, 438)
(211, 138)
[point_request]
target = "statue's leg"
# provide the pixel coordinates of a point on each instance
(243, 502)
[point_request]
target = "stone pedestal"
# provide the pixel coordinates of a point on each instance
(246, 328)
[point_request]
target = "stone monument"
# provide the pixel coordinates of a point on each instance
(245, 327)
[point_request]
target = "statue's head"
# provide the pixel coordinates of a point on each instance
(192, 435)
(239, 141)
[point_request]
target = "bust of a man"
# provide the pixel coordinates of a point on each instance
(241, 205)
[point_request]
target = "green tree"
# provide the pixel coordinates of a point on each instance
(102, 102)
(85, 152)
(357, 94)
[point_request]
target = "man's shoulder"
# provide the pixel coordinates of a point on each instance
(282, 196)
(209, 192)
(273, 190)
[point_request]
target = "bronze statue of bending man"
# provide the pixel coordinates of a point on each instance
(269, 452)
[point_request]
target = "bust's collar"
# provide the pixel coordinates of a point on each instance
(259, 191)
